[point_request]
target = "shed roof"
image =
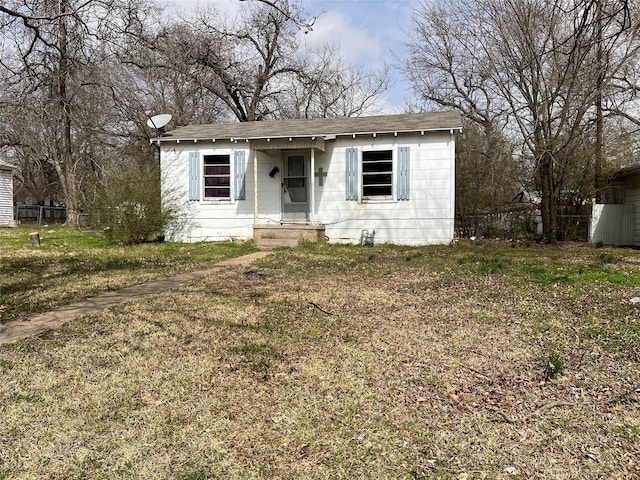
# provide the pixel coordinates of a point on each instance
(627, 171)
(6, 166)
(319, 127)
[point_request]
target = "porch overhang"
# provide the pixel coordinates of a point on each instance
(291, 143)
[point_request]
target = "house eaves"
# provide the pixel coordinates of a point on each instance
(7, 166)
(629, 171)
(320, 128)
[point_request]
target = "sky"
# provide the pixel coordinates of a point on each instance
(369, 33)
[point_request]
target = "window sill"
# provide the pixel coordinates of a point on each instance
(214, 201)
(371, 200)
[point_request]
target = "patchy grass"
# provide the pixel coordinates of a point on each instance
(70, 265)
(332, 361)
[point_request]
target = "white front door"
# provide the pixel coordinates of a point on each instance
(295, 186)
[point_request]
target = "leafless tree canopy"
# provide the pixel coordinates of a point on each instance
(80, 78)
(543, 73)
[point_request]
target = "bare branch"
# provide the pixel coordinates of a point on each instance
(283, 7)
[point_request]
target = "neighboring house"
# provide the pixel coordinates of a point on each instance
(383, 179)
(618, 222)
(6, 194)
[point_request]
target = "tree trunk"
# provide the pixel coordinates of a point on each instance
(599, 153)
(549, 203)
(66, 160)
(70, 189)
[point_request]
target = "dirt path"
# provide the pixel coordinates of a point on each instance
(20, 329)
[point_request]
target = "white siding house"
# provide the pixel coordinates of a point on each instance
(619, 223)
(6, 194)
(392, 176)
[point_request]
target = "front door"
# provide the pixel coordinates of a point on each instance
(295, 187)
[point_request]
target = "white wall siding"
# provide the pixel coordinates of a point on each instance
(215, 220)
(6, 198)
(426, 218)
(612, 224)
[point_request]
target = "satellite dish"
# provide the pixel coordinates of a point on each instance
(159, 121)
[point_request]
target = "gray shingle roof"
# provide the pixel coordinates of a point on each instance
(319, 127)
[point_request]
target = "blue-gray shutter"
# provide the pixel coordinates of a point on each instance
(194, 176)
(404, 179)
(352, 174)
(240, 169)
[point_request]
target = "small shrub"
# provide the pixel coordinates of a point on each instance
(552, 366)
(129, 206)
(606, 257)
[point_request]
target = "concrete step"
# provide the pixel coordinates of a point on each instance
(287, 235)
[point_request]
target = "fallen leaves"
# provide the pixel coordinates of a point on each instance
(431, 372)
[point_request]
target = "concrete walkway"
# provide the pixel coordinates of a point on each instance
(20, 329)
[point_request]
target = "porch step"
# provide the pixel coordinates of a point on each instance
(277, 242)
(287, 235)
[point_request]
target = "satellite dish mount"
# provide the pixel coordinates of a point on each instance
(158, 121)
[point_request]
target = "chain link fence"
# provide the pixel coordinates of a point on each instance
(522, 224)
(39, 214)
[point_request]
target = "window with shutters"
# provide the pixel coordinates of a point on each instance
(217, 176)
(377, 174)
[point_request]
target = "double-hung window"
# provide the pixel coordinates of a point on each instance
(377, 174)
(217, 176)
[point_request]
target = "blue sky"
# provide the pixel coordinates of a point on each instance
(368, 32)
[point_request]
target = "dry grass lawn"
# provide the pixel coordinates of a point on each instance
(475, 361)
(70, 266)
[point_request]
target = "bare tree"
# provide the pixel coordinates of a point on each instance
(254, 65)
(243, 62)
(292, 11)
(606, 25)
(53, 49)
(488, 181)
(329, 87)
(531, 66)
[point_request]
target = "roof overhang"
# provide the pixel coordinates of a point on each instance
(291, 143)
(312, 133)
(7, 166)
(629, 171)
